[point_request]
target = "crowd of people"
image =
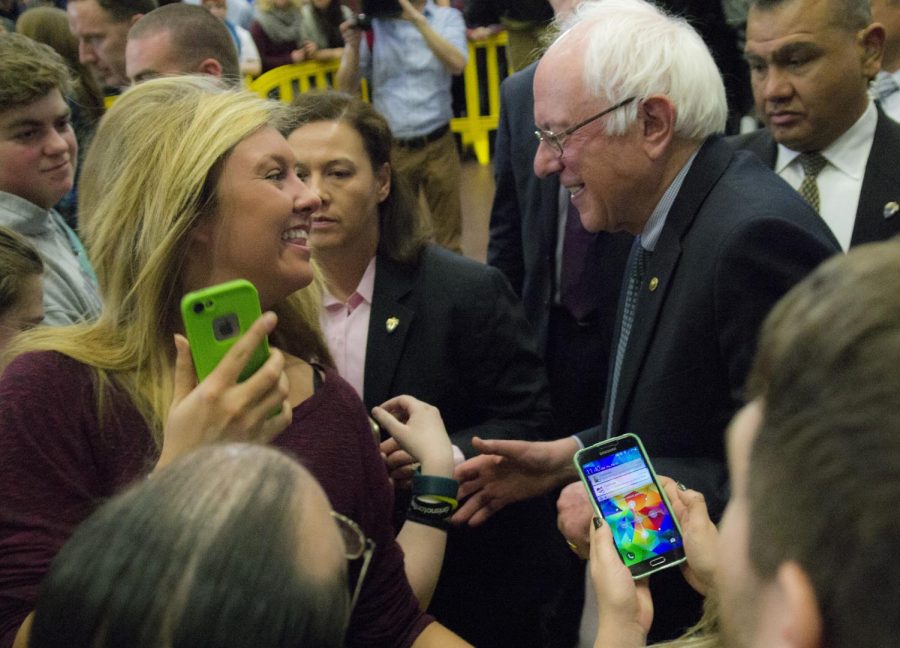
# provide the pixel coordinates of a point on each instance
(388, 476)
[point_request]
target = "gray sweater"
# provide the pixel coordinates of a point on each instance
(70, 288)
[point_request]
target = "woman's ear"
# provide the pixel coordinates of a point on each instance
(202, 231)
(383, 176)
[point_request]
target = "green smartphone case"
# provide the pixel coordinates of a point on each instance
(215, 318)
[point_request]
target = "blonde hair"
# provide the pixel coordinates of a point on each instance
(705, 633)
(149, 176)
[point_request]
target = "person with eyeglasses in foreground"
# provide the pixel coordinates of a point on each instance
(230, 545)
(629, 108)
(188, 185)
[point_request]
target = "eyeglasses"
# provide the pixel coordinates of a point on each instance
(356, 545)
(557, 140)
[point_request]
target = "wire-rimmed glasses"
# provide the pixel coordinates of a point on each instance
(356, 545)
(556, 141)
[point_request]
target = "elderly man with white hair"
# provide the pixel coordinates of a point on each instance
(629, 108)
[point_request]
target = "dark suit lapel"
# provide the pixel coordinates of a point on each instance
(880, 192)
(711, 161)
(389, 325)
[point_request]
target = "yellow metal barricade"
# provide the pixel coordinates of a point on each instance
(285, 81)
(474, 128)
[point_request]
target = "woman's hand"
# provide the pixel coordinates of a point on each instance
(220, 408)
(624, 606)
(700, 534)
(418, 433)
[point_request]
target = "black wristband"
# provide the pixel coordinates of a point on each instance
(428, 520)
(425, 485)
(435, 509)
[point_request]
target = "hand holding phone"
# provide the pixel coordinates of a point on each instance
(222, 407)
(625, 492)
(624, 605)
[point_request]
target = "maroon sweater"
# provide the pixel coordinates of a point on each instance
(57, 465)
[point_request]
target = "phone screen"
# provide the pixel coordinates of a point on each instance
(629, 499)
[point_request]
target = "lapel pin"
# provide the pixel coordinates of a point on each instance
(890, 209)
(391, 324)
(654, 284)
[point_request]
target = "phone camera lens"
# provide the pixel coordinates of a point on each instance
(198, 308)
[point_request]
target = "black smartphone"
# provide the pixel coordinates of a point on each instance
(626, 494)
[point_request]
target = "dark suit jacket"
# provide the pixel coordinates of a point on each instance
(881, 183)
(525, 215)
(735, 240)
(462, 344)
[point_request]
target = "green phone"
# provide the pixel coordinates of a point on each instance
(215, 318)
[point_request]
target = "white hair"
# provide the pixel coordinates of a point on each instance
(634, 49)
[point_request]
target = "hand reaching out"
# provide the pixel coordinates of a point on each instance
(510, 471)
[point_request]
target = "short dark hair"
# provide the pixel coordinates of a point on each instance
(18, 261)
(196, 35)
(849, 14)
(403, 229)
(205, 553)
(824, 475)
(124, 10)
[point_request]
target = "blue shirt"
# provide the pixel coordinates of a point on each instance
(654, 226)
(408, 83)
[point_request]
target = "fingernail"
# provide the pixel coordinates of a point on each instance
(597, 522)
(681, 486)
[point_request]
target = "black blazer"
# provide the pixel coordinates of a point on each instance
(461, 343)
(876, 219)
(525, 216)
(735, 240)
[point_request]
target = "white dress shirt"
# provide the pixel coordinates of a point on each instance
(840, 182)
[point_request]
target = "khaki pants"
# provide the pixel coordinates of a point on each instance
(435, 170)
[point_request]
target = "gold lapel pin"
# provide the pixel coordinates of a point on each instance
(391, 324)
(890, 209)
(654, 283)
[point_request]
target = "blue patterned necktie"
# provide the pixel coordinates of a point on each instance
(637, 265)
